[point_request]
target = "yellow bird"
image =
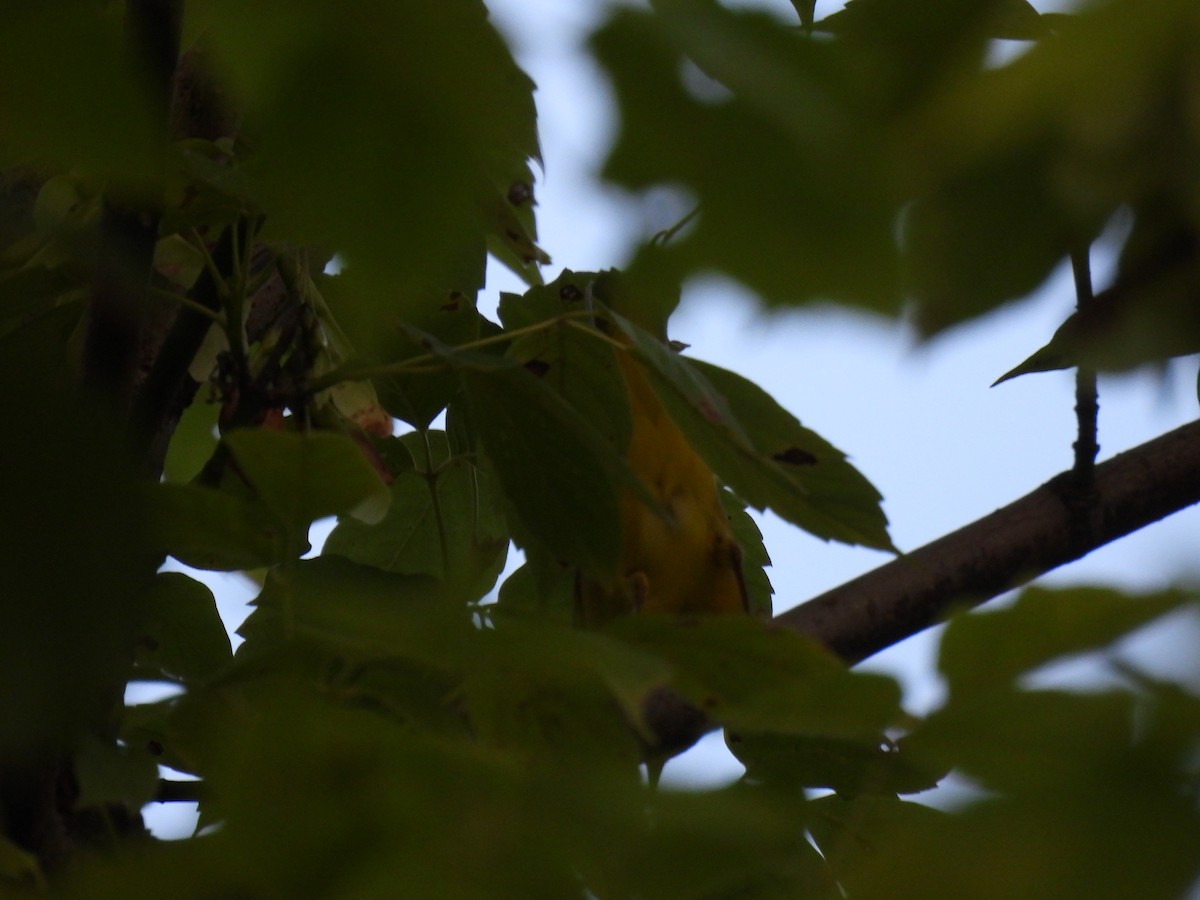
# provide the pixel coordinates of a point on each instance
(683, 560)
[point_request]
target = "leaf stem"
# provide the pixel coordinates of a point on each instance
(431, 479)
(414, 364)
(188, 303)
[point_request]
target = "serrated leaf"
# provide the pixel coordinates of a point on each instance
(755, 559)
(462, 540)
(182, 637)
(581, 367)
(761, 451)
(303, 477)
(557, 471)
(1148, 320)
(512, 237)
(146, 728)
(838, 498)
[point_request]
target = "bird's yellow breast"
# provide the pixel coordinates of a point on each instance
(686, 561)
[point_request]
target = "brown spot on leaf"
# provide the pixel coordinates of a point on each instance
(794, 456)
(570, 293)
(538, 367)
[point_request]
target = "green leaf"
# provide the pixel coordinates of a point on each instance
(851, 831)
(109, 773)
(750, 677)
(513, 235)
(559, 474)
(760, 450)
(216, 529)
(453, 107)
(97, 113)
(740, 841)
(193, 442)
(357, 609)
(19, 866)
(146, 728)
(559, 690)
(303, 477)
(991, 649)
(579, 365)
(462, 540)
(985, 236)
(754, 555)
(543, 587)
(1031, 742)
(850, 767)
(182, 637)
(701, 89)
(840, 503)
(1147, 316)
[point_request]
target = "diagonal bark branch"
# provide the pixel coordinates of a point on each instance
(1053, 525)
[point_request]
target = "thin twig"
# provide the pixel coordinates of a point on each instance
(1087, 404)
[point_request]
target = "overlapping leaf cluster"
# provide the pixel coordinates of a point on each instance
(383, 729)
(943, 158)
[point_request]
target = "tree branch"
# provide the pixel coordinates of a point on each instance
(1035, 534)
